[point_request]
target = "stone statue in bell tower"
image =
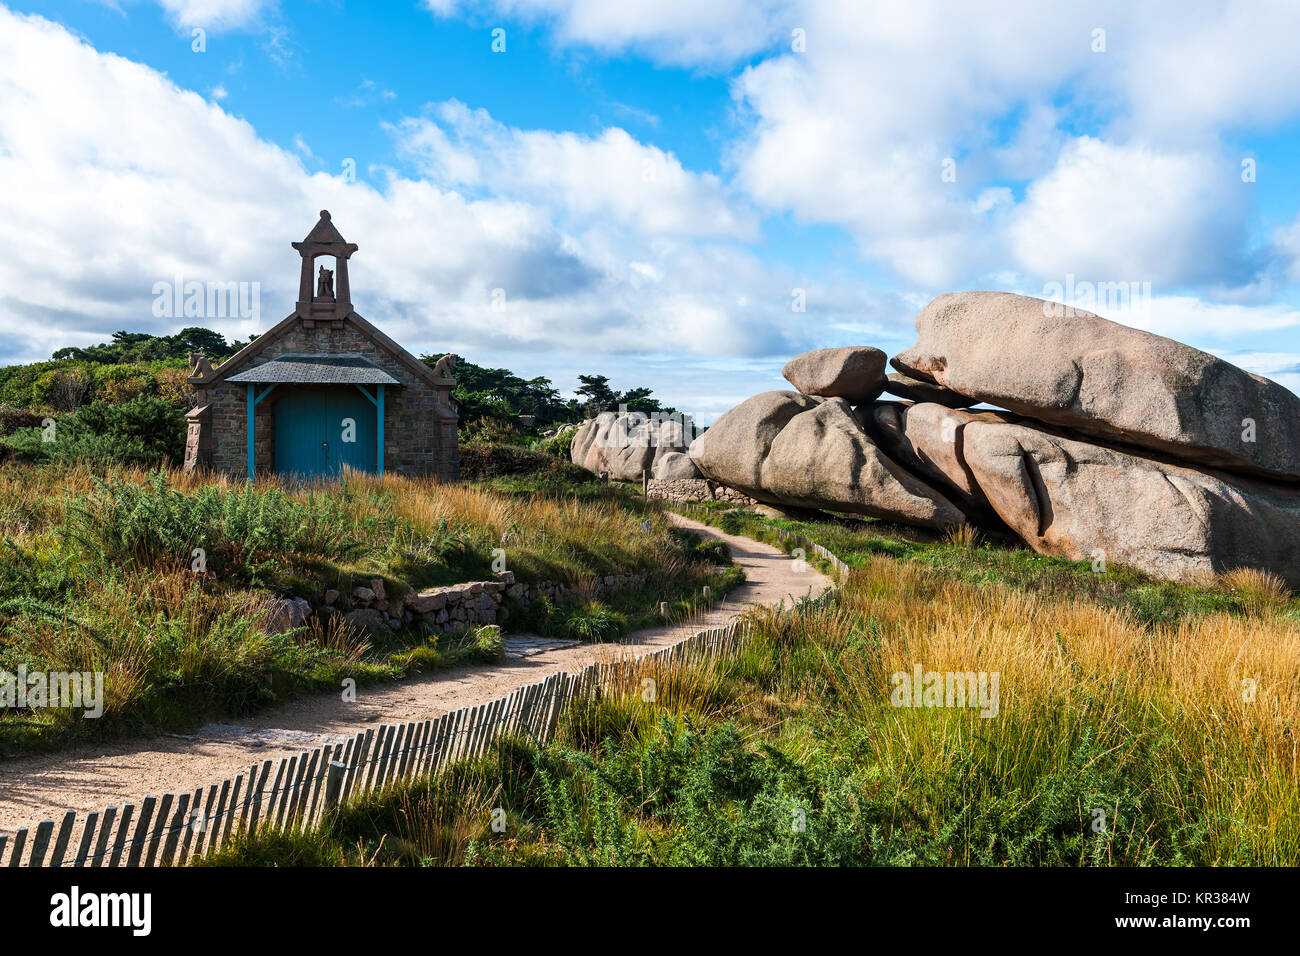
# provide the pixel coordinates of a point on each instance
(332, 300)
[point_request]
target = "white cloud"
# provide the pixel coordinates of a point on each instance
(124, 180)
(1172, 67)
(674, 31)
(1188, 68)
(1286, 242)
(367, 93)
(610, 176)
(1281, 367)
(1131, 213)
(1264, 363)
(129, 180)
(215, 14)
(853, 131)
(993, 198)
(1186, 318)
(857, 131)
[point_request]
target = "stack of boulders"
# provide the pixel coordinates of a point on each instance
(1085, 438)
(630, 446)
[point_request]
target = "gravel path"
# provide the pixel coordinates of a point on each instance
(92, 777)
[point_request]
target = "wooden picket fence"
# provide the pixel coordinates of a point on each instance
(304, 788)
(176, 828)
(840, 569)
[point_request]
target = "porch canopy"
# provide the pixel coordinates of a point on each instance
(317, 369)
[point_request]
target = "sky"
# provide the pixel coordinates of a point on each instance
(681, 194)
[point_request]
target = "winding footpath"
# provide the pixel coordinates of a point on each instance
(94, 776)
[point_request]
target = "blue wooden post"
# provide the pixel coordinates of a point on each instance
(379, 413)
(252, 446)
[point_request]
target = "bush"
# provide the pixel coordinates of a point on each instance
(732, 522)
(12, 419)
(561, 446)
(173, 386)
(18, 383)
(243, 532)
(698, 548)
(123, 383)
(66, 384)
(492, 431)
(579, 620)
(488, 646)
(145, 431)
(64, 389)
(483, 461)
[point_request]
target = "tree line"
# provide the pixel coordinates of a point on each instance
(495, 404)
(496, 399)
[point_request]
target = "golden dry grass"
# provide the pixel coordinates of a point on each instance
(100, 576)
(1184, 733)
(1261, 588)
(1223, 688)
(963, 536)
(1205, 710)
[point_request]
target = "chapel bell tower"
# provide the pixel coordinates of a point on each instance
(325, 298)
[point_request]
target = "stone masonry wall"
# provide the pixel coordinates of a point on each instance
(419, 424)
(693, 489)
(458, 605)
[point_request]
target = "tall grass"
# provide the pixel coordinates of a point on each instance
(241, 530)
(1101, 718)
(981, 560)
(1119, 739)
(1198, 715)
(162, 580)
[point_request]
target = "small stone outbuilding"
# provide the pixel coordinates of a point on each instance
(322, 391)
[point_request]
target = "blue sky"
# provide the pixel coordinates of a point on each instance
(643, 189)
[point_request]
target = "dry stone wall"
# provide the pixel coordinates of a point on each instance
(693, 489)
(473, 603)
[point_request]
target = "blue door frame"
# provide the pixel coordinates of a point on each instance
(254, 398)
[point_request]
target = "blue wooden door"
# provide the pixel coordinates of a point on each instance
(318, 431)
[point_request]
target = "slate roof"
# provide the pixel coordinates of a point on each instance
(317, 370)
(291, 322)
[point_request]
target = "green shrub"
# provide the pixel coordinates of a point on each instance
(144, 431)
(721, 800)
(561, 445)
(481, 461)
(732, 522)
(66, 384)
(487, 646)
(244, 531)
(709, 550)
(32, 583)
(579, 620)
(17, 383)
